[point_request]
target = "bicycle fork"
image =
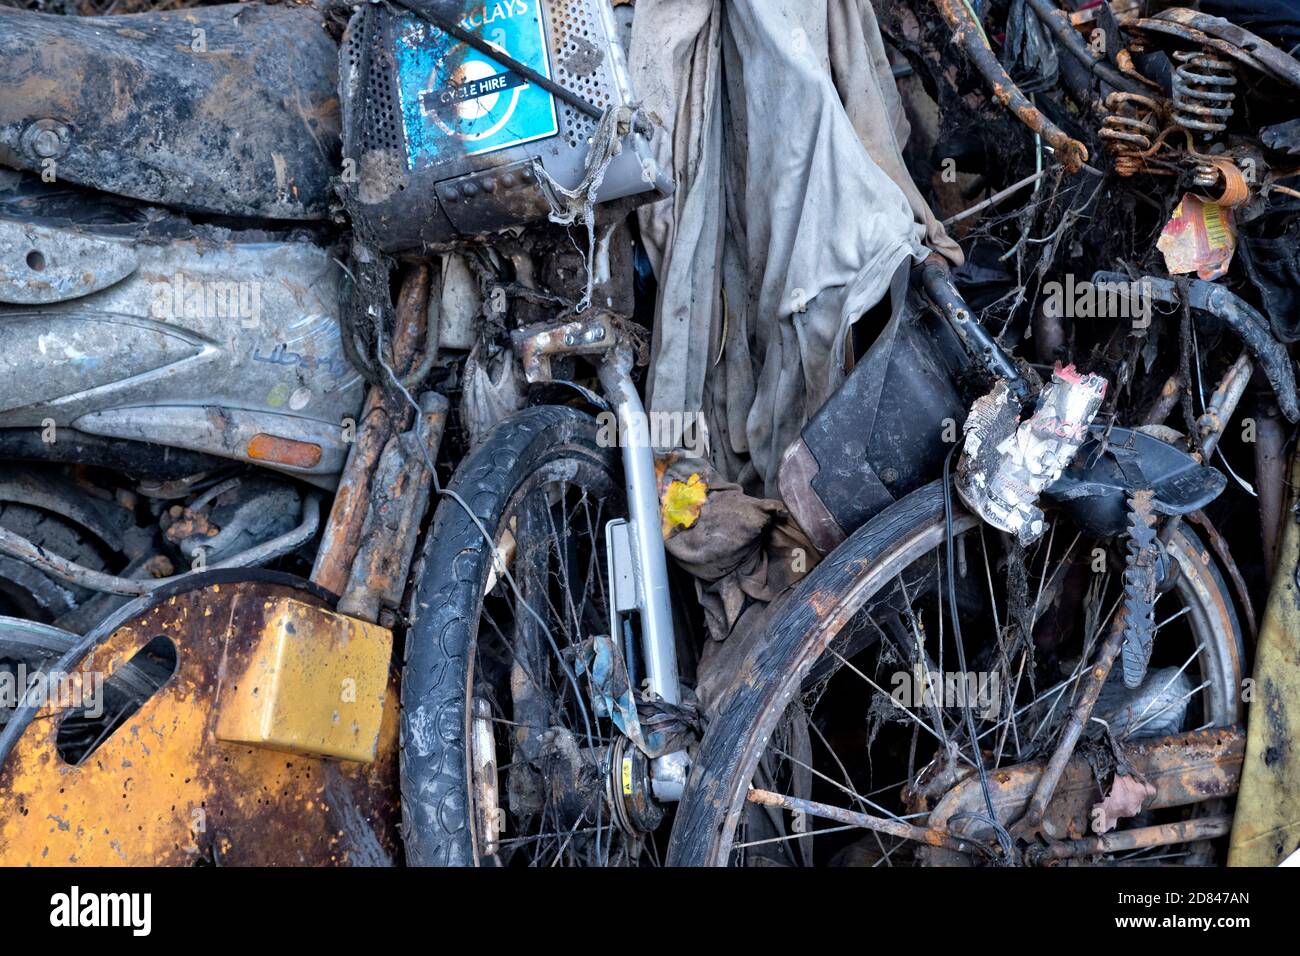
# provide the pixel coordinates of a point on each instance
(638, 566)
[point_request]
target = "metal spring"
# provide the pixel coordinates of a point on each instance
(1129, 130)
(1205, 176)
(1202, 98)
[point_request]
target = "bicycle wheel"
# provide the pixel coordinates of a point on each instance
(503, 759)
(877, 604)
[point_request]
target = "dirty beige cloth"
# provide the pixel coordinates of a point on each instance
(783, 129)
(675, 60)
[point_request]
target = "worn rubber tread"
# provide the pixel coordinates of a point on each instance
(59, 536)
(445, 610)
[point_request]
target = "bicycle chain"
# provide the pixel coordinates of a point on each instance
(1141, 574)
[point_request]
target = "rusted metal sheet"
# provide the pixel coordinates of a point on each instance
(229, 109)
(1266, 828)
(162, 789)
(591, 334)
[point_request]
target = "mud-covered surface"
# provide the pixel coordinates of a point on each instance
(1110, 194)
(230, 110)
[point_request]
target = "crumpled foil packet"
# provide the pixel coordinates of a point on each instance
(1006, 463)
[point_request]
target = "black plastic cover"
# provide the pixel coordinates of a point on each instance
(881, 435)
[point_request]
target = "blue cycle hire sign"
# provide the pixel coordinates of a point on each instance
(458, 101)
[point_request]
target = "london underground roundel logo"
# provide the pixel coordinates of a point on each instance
(476, 100)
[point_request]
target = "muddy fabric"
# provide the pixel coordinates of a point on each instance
(492, 391)
(784, 132)
(741, 550)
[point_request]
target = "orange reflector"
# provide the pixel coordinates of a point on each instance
(284, 451)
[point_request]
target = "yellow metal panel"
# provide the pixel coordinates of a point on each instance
(313, 683)
(1266, 827)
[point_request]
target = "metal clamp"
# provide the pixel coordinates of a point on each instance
(536, 345)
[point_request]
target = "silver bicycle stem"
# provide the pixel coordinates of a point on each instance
(649, 563)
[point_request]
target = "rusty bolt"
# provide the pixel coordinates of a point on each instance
(45, 143)
(46, 139)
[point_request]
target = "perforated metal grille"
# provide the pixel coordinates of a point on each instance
(349, 62)
(373, 100)
(579, 46)
(579, 63)
(381, 126)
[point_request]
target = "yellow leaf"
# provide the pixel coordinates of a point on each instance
(682, 502)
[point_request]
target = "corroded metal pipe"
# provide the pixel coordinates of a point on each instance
(966, 32)
(377, 424)
(1141, 838)
(896, 828)
(400, 497)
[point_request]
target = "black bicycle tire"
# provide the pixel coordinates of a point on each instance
(435, 725)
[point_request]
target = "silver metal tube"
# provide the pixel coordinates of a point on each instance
(659, 646)
(658, 643)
